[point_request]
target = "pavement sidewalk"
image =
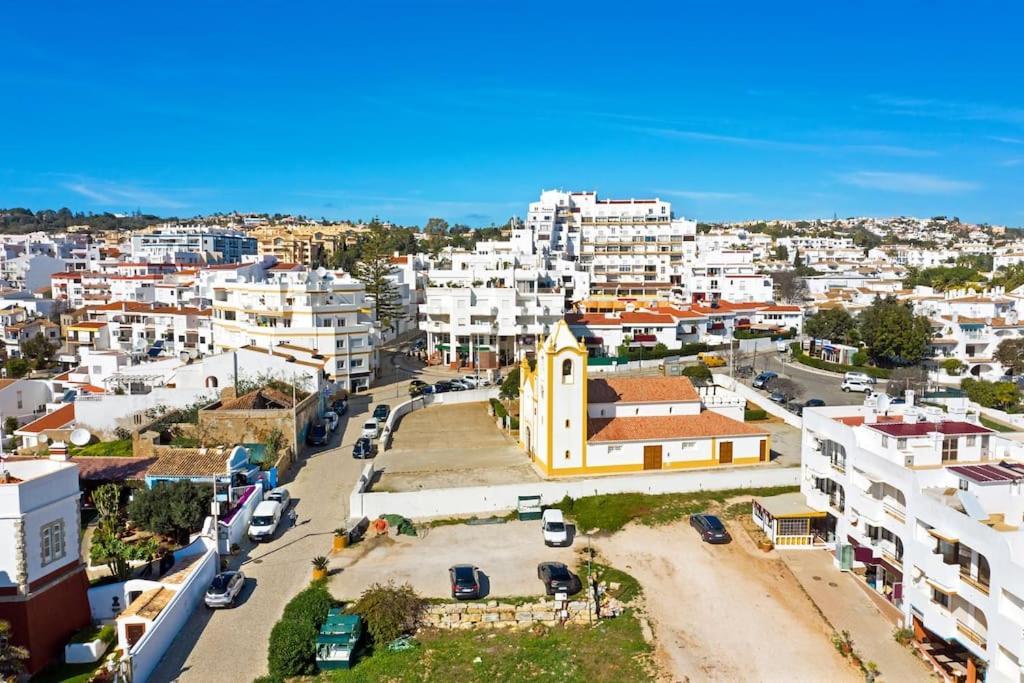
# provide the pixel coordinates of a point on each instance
(848, 608)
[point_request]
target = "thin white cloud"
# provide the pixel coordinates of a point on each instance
(1011, 162)
(1007, 140)
(704, 196)
(111, 194)
(909, 183)
(765, 143)
(946, 109)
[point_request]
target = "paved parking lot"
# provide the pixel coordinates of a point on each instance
(812, 384)
(507, 555)
(451, 445)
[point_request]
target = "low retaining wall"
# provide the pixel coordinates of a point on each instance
(495, 614)
(761, 400)
(474, 500)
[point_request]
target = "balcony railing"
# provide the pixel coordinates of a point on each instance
(972, 635)
(894, 509)
(967, 578)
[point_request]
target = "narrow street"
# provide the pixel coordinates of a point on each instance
(231, 645)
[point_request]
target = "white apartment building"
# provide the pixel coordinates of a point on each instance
(193, 243)
(629, 246)
(927, 507)
(731, 275)
(155, 330)
(306, 314)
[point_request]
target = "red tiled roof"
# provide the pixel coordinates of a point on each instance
(592, 320)
(902, 429)
(641, 390)
(645, 317)
(99, 468)
(705, 425)
(781, 309)
(55, 420)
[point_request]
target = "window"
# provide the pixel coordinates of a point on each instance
(567, 371)
(53, 547)
(963, 484)
(940, 598)
(901, 444)
(885, 441)
(567, 455)
(566, 424)
(357, 362)
(339, 344)
(949, 448)
(357, 342)
(971, 440)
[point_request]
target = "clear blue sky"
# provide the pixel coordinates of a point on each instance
(409, 110)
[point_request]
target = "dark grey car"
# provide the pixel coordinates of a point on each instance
(465, 580)
(710, 528)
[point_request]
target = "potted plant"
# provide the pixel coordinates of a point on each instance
(319, 567)
(340, 540)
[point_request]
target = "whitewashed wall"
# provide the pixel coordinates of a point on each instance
(104, 413)
(760, 399)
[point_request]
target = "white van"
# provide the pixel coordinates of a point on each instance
(265, 519)
(861, 377)
(553, 527)
(371, 428)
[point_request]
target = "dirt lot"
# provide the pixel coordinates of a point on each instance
(726, 612)
(451, 445)
(508, 554)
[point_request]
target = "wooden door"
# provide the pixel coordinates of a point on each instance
(133, 633)
(652, 457)
(725, 453)
(763, 455)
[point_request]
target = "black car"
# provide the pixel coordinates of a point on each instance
(795, 407)
(438, 388)
(465, 580)
(557, 578)
(381, 412)
(813, 403)
(364, 448)
(339, 407)
(710, 528)
(318, 434)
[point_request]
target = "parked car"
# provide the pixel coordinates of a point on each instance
(556, 578)
(331, 420)
(761, 381)
(224, 589)
(363, 448)
(478, 380)
(862, 377)
(711, 360)
(381, 412)
(318, 434)
(340, 407)
(279, 495)
(265, 520)
(795, 407)
(710, 528)
(460, 384)
(778, 397)
(371, 429)
(813, 403)
(552, 524)
(465, 580)
(436, 388)
(856, 385)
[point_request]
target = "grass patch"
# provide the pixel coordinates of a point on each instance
(610, 652)
(121, 448)
(611, 512)
(752, 415)
(68, 673)
(87, 635)
(998, 426)
(628, 589)
(452, 521)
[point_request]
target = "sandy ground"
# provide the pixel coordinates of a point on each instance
(451, 445)
(507, 554)
(726, 612)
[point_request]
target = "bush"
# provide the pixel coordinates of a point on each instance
(499, 408)
(292, 649)
(660, 351)
(803, 358)
(697, 372)
(310, 605)
(389, 611)
(753, 414)
(861, 357)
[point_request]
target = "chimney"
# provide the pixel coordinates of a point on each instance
(908, 397)
(58, 451)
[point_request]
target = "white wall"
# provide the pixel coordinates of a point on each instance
(759, 399)
(607, 410)
(33, 393)
(471, 500)
(104, 413)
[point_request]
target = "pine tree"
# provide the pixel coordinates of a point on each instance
(373, 270)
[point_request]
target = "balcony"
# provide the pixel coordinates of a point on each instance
(894, 509)
(975, 637)
(973, 582)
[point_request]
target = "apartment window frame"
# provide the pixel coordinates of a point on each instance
(52, 542)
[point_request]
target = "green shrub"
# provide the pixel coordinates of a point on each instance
(513, 423)
(801, 357)
(660, 351)
(750, 415)
(861, 357)
(697, 372)
(292, 649)
(311, 605)
(499, 408)
(388, 610)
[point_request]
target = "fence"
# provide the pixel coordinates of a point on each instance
(759, 399)
(470, 500)
(448, 398)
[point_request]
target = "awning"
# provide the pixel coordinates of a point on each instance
(943, 537)
(939, 587)
(972, 326)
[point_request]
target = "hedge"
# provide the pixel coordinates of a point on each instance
(292, 646)
(803, 358)
(499, 408)
(751, 415)
(653, 354)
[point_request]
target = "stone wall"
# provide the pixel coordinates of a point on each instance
(496, 614)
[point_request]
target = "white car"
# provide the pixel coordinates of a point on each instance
(861, 377)
(477, 380)
(280, 495)
(552, 524)
(371, 429)
(224, 589)
(331, 420)
(854, 385)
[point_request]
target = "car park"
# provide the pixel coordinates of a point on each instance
(761, 381)
(553, 527)
(318, 434)
(778, 397)
(363, 448)
(710, 528)
(371, 429)
(265, 520)
(381, 412)
(856, 385)
(465, 581)
(279, 495)
(862, 377)
(224, 589)
(331, 420)
(557, 578)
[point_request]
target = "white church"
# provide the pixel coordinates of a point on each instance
(571, 424)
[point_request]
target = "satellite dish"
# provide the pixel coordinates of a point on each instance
(43, 438)
(81, 436)
(321, 271)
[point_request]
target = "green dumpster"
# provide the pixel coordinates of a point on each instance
(338, 640)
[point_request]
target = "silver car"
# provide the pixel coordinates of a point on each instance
(224, 589)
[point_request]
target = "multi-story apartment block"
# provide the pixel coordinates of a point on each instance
(192, 243)
(926, 506)
(307, 244)
(731, 275)
(285, 308)
(19, 326)
(629, 246)
(136, 327)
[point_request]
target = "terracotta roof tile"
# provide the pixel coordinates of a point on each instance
(190, 462)
(640, 390)
(646, 317)
(705, 425)
(55, 420)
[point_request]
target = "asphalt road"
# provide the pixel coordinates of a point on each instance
(811, 383)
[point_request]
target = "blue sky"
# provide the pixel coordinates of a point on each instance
(467, 110)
